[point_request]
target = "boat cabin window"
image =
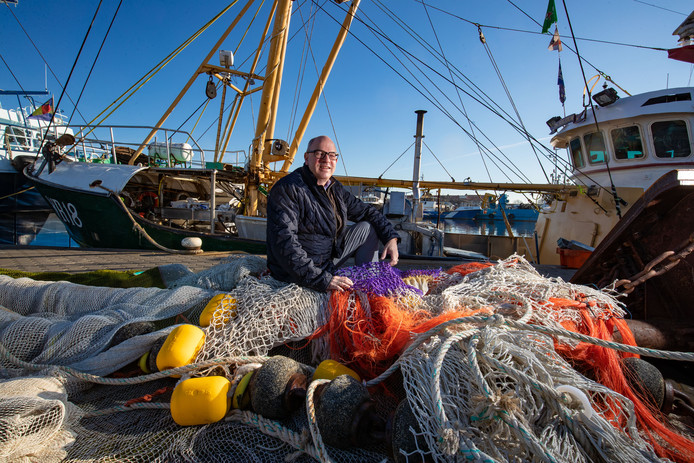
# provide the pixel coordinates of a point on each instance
(670, 139)
(627, 143)
(595, 145)
(576, 153)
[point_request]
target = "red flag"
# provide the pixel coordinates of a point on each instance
(684, 53)
(44, 112)
(555, 43)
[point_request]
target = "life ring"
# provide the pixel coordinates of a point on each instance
(149, 194)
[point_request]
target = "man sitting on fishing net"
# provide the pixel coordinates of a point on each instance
(307, 233)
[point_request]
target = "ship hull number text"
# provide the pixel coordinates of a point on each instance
(67, 212)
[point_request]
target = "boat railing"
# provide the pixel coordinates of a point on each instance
(22, 139)
(169, 148)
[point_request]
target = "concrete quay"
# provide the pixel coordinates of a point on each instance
(79, 260)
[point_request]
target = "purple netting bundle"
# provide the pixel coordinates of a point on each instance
(381, 279)
(432, 272)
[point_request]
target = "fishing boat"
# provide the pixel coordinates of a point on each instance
(23, 211)
(165, 191)
(180, 193)
(494, 209)
(479, 362)
(617, 149)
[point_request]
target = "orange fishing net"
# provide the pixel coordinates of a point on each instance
(368, 335)
(468, 268)
(604, 366)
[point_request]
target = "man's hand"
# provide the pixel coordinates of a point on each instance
(338, 283)
(391, 249)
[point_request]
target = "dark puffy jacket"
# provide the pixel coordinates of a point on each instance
(301, 228)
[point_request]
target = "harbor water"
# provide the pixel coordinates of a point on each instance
(487, 228)
(53, 233)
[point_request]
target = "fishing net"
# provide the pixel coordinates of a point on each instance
(459, 362)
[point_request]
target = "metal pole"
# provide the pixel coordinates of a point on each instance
(213, 199)
(168, 149)
(113, 147)
(416, 209)
(325, 73)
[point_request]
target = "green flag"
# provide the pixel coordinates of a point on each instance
(550, 16)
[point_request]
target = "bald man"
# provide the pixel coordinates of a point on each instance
(307, 233)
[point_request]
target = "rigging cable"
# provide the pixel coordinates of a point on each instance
(460, 98)
(94, 63)
(662, 8)
(618, 202)
(487, 104)
(511, 29)
(437, 160)
(568, 168)
(436, 103)
(67, 82)
(513, 104)
(294, 108)
(42, 58)
(12, 73)
(396, 160)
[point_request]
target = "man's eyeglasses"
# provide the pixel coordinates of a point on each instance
(320, 154)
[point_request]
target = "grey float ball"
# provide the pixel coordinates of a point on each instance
(268, 387)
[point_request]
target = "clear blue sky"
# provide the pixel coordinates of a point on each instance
(370, 106)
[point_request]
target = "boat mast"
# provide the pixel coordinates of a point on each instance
(268, 101)
(325, 73)
(201, 69)
(261, 154)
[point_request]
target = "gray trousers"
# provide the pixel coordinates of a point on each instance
(361, 242)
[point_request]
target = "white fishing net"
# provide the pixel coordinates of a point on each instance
(478, 391)
(62, 323)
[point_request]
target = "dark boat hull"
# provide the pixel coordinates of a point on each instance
(99, 220)
(23, 211)
(661, 221)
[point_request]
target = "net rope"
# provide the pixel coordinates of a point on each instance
(480, 354)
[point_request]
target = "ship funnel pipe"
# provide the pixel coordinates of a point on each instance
(416, 209)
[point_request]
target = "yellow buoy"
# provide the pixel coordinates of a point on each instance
(143, 363)
(200, 400)
(223, 302)
(241, 390)
(331, 369)
(181, 347)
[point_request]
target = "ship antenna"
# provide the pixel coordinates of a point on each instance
(618, 202)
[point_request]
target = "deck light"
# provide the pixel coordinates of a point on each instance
(551, 123)
(606, 97)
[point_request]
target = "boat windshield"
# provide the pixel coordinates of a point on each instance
(595, 145)
(670, 139)
(627, 142)
(576, 153)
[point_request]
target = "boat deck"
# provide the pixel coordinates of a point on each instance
(78, 260)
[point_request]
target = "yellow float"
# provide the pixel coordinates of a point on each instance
(331, 369)
(181, 347)
(198, 401)
(225, 302)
